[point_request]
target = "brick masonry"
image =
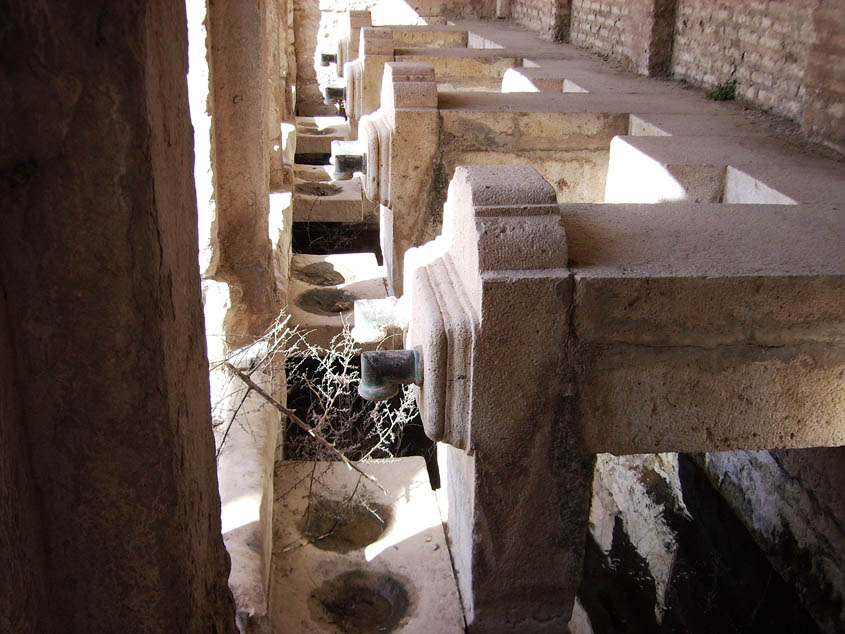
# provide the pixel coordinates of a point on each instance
(787, 57)
(550, 18)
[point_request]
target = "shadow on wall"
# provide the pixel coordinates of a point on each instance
(720, 580)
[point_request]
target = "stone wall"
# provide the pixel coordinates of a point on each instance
(792, 502)
(600, 25)
(786, 57)
(99, 275)
(762, 44)
(824, 104)
(550, 18)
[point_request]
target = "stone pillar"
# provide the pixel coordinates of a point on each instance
(651, 27)
(347, 47)
(824, 112)
(402, 138)
(99, 275)
(239, 67)
(364, 75)
(495, 282)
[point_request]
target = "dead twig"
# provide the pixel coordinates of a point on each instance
(299, 423)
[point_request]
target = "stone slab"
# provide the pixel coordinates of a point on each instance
(333, 201)
(323, 289)
(405, 557)
(314, 135)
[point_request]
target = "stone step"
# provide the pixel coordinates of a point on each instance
(383, 564)
(323, 290)
(314, 135)
(328, 201)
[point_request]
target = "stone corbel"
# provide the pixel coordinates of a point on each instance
(402, 139)
(489, 303)
(347, 45)
(364, 75)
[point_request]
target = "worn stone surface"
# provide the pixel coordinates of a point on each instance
(502, 249)
(98, 266)
(241, 96)
(23, 585)
(681, 300)
(389, 549)
(792, 501)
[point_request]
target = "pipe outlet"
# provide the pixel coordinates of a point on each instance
(334, 94)
(347, 158)
(383, 371)
(328, 58)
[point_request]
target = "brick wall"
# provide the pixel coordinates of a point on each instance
(824, 107)
(786, 56)
(549, 18)
(762, 44)
(601, 25)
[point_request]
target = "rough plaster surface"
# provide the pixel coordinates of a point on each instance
(99, 270)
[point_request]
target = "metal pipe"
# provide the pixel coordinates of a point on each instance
(334, 94)
(328, 58)
(383, 371)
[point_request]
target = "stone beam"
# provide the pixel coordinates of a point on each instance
(641, 329)
(708, 327)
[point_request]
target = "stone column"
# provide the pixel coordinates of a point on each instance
(240, 100)
(651, 27)
(495, 283)
(99, 274)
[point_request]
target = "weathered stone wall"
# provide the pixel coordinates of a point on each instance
(23, 591)
(786, 57)
(762, 44)
(550, 18)
(824, 81)
(601, 25)
(98, 268)
(792, 502)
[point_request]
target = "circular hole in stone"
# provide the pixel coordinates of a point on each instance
(343, 525)
(326, 301)
(318, 189)
(360, 602)
(319, 274)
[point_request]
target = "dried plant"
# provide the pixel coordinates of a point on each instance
(325, 417)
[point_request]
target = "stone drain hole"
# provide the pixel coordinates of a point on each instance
(326, 301)
(360, 602)
(318, 189)
(344, 525)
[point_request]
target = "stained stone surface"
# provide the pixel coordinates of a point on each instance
(350, 558)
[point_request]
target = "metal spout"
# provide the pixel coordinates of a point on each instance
(345, 165)
(334, 94)
(383, 371)
(328, 58)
